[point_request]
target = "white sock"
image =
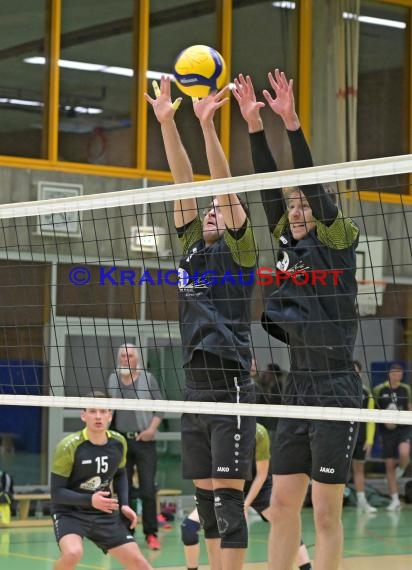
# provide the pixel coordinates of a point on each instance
(395, 497)
(361, 497)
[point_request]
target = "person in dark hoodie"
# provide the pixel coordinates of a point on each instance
(313, 310)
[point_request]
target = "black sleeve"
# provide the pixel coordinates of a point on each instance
(121, 487)
(322, 205)
(264, 161)
(61, 494)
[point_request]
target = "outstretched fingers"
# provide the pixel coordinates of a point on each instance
(163, 93)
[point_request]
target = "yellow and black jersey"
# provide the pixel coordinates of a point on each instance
(215, 290)
(313, 307)
(80, 468)
(389, 398)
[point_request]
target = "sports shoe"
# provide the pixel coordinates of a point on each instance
(365, 507)
(393, 506)
(153, 542)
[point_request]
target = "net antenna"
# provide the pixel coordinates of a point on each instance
(369, 274)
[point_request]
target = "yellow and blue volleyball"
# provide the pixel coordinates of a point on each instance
(198, 70)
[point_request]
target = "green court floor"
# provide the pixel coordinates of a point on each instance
(368, 540)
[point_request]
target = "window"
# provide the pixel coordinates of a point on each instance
(383, 82)
(174, 26)
(22, 86)
(96, 81)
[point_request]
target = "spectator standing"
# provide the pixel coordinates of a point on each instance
(139, 428)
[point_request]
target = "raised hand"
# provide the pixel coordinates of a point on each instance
(244, 93)
(205, 108)
(284, 103)
(162, 105)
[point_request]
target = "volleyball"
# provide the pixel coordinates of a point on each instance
(198, 70)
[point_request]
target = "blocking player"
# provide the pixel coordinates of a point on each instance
(257, 496)
(319, 323)
(85, 465)
(217, 450)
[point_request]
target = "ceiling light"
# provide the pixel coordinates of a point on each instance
(375, 21)
(349, 16)
(126, 71)
(22, 102)
(80, 65)
(284, 5)
(111, 69)
(31, 103)
(84, 110)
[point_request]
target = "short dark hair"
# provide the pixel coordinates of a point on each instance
(273, 367)
(96, 394)
(396, 366)
(242, 203)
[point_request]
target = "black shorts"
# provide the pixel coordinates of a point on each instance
(391, 439)
(321, 449)
(215, 445)
(359, 453)
(262, 500)
(106, 530)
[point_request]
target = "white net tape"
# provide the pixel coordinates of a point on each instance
(261, 410)
(387, 166)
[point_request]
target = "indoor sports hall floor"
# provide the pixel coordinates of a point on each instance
(378, 542)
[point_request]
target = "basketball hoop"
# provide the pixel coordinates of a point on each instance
(370, 296)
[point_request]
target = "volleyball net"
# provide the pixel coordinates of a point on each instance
(84, 275)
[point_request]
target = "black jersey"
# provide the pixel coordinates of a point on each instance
(313, 308)
(215, 291)
(87, 467)
(317, 319)
(388, 398)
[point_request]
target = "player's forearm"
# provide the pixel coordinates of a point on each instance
(370, 426)
(254, 124)
(180, 167)
(321, 204)
(176, 154)
(264, 161)
(155, 423)
(233, 212)
(217, 161)
(370, 433)
(64, 496)
(254, 490)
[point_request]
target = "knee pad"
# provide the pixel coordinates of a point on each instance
(205, 502)
(230, 515)
(190, 532)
